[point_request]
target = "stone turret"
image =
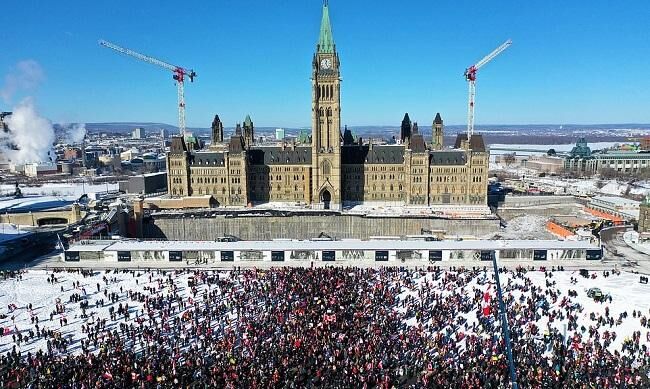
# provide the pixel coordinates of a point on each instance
(249, 132)
(644, 215)
(405, 132)
(437, 141)
(217, 130)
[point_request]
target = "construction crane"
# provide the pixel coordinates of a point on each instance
(179, 76)
(470, 76)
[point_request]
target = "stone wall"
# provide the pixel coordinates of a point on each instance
(516, 206)
(306, 227)
(528, 201)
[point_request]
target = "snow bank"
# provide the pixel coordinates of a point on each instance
(523, 227)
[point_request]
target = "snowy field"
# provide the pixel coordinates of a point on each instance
(16, 295)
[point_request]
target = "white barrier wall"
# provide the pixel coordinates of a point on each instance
(419, 256)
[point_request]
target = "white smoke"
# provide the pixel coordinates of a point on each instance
(74, 133)
(25, 76)
(30, 135)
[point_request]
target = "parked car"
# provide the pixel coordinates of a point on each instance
(595, 293)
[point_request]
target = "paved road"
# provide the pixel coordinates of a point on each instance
(618, 252)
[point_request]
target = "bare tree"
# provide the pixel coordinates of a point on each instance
(509, 159)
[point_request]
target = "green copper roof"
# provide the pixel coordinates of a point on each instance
(248, 122)
(325, 40)
(646, 201)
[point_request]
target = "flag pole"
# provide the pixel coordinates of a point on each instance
(504, 324)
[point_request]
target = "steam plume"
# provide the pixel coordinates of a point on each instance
(74, 133)
(25, 76)
(30, 136)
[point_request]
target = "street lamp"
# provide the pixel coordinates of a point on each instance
(504, 324)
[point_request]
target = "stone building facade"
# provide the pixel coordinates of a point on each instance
(644, 215)
(333, 169)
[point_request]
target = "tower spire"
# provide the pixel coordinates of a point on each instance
(325, 39)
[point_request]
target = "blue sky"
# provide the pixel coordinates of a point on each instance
(571, 61)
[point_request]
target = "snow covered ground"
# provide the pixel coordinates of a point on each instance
(578, 187)
(35, 203)
(627, 296)
(75, 189)
(523, 227)
(34, 289)
(10, 232)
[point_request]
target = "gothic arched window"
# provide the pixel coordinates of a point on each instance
(326, 168)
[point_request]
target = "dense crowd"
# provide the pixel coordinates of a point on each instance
(321, 327)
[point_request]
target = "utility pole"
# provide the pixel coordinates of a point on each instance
(504, 324)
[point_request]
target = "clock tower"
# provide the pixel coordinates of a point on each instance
(326, 119)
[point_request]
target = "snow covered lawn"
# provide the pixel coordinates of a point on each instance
(627, 294)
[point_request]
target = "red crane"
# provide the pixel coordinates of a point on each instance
(179, 75)
(470, 76)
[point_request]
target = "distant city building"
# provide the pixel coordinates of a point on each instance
(38, 169)
(645, 143)
(328, 172)
(618, 206)
(16, 167)
(145, 184)
(138, 133)
(279, 133)
(628, 161)
(66, 167)
(128, 155)
(153, 163)
(113, 162)
(72, 153)
(304, 137)
(545, 164)
(164, 134)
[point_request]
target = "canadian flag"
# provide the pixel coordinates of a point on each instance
(485, 304)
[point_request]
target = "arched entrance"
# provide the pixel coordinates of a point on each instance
(46, 221)
(326, 198)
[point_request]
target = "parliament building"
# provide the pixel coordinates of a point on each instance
(333, 169)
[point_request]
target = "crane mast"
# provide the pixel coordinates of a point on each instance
(179, 75)
(470, 76)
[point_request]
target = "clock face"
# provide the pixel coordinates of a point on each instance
(326, 63)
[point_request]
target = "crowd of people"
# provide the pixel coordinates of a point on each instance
(321, 327)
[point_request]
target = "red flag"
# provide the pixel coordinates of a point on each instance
(487, 310)
(485, 305)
